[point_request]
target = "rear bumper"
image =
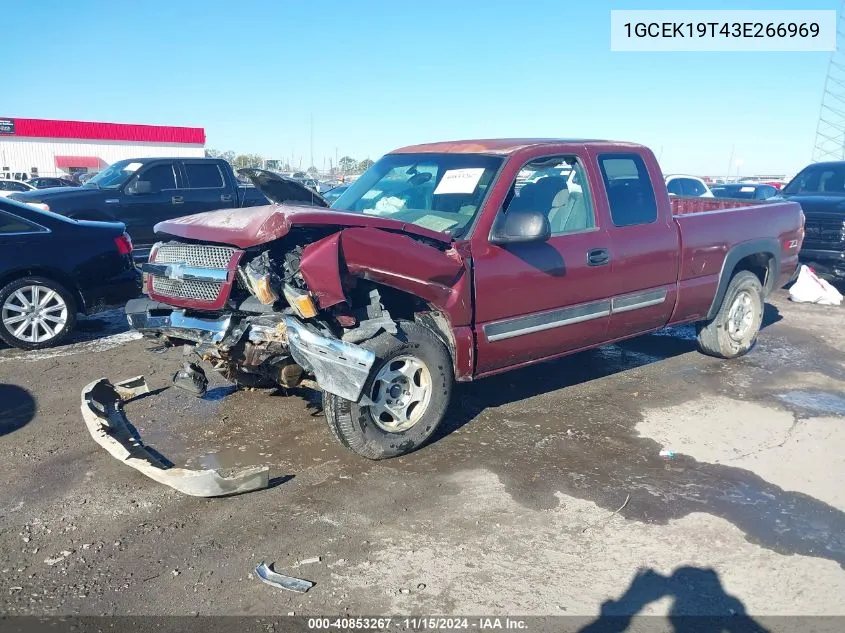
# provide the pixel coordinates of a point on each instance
(825, 263)
(158, 319)
(115, 291)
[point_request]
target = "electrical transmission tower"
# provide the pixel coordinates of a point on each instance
(830, 131)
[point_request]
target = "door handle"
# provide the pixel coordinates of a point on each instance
(177, 200)
(598, 257)
(226, 197)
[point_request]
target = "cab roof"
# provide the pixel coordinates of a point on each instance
(502, 146)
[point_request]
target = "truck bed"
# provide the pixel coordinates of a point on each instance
(710, 228)
(686, 206)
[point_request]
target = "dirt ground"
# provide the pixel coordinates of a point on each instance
(545, 494)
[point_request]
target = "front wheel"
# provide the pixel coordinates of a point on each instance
(734, 329)
(410, 387)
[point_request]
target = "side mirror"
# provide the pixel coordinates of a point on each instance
(521, 226)
(139, 188)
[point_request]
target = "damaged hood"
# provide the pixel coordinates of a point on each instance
(253, 226)
(279, 189)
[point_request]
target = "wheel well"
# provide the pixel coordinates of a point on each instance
(407, 307)
(759, 264)
(54, 275)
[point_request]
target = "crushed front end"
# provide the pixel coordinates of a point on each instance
(248, 313)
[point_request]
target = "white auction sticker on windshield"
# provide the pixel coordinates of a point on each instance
(746, 189)
(459, 180)
(435, 223)
(133, 167)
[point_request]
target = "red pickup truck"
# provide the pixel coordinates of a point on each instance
(436, 266)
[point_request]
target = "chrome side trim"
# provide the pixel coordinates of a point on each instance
(339, 368)
(537, 322)
(638, 300)
(531, 323)
(182, 271)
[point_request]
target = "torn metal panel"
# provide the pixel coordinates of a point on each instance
(102, 410)
(266, 574)
(393, 259)
(320, 268)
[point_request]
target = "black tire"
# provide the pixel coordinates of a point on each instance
(355, 426)
(720, 337)
(7, 333)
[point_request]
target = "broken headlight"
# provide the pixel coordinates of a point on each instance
(260, 285)
(300, 301)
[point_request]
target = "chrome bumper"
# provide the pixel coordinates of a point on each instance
(141, 317)
(339, 368)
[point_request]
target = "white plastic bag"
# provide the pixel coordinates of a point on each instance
(809, 288)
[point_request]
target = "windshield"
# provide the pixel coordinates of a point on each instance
(114, 176)
(442, 192)
(822, 179)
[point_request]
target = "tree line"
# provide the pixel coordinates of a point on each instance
(346, 165)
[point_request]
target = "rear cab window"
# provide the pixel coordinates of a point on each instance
(204, 176)
(692, 187)
(630, 193)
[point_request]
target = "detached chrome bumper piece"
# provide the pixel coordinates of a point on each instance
(102, 410)
(171, 322)
(339, 368)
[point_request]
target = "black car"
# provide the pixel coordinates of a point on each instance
(820, 190)
(52, 268)
(744, 191)
(46, 182)
(141, 192)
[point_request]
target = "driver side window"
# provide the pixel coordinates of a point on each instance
(556, 187)
(160, 177)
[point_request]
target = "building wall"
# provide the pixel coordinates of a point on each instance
(21, 154)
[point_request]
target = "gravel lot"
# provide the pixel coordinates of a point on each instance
(545, 494)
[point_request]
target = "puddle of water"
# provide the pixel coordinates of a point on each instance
(218, 393)
(820, 401)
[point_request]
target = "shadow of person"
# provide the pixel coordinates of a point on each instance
(17, 408)
(700, 605)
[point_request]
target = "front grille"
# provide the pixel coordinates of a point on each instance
(198, 255)
(187, 289)
(822, 233)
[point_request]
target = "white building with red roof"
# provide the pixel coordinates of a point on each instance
(46, 147)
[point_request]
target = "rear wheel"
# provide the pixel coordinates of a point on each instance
(35, 312)
(734, 329)
(409, 387)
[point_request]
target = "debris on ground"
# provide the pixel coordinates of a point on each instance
(267, 575)
(310, 561)
(810, 288)
(667, 453)
(191, 378)
(102, 410)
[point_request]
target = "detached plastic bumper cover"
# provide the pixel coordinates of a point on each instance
(340, 368)
(102, 410)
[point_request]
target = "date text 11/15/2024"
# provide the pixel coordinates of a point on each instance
(430, 623)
